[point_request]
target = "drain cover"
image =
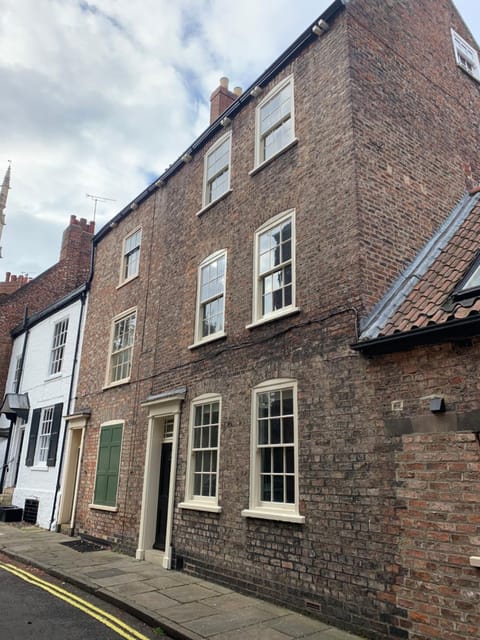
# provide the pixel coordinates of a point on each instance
(83, 546)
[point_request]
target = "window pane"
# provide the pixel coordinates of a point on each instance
(290, 489)
(217, 171)
(263, 432)
(265, 462)
(289, 460)
(266, 488)
(58, 346)
(275, 403)
(275, 437)
(276, 451)
(278, 460)
(288, 430)
(278, 489)
(212, 289)
(205, 449)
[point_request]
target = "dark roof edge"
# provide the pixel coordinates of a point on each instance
(403, 285)
(266, 76)
(433, 334)
(58, 305)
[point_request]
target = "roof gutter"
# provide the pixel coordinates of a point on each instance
(453, 330)
(305, 38)
(44, 313)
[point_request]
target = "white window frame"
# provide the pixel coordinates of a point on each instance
(111, 353)
(283, 511)
(259, 137)
(206, 201)
(258, 317)
(199, 339)
(192, 501)
(466, 56)
(57, 351)
(43, 438)
(126, 256)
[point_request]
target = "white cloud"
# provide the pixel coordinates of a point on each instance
(98, 96)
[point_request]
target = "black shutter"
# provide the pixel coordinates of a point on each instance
(32, 438)
(52, 447)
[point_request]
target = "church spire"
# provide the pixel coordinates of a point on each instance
(3, 202)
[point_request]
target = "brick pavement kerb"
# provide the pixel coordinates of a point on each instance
(185, 607)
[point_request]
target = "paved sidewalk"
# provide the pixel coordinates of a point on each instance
(185, 607)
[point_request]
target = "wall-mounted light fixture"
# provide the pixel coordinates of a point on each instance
(437, 405)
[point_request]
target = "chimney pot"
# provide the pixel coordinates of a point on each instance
(7, 276)
(224, 82)
(237, 91)
(73, 219)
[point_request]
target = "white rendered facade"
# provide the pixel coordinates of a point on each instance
(33, 463)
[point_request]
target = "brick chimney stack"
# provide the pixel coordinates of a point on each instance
(222, 98)
(76, 250)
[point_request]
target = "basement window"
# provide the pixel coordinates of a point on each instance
(466, 56)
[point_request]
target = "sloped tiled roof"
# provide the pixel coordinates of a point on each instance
(423, 295)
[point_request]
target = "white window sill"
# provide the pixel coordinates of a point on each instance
(200, 506)
(472, 74)
(212, 338)
(53, 376)
(214, 202)
(103, 507)
(124, 282)
(117, 383)
(40, 467)
(289, 311)
(265, 163)
(270, 514)
(475, 561)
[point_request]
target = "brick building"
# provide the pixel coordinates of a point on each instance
(20, 295)
(227, 425)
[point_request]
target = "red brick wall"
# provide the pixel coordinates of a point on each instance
(436, 484)
(440, 484)
(354, 233)
(416, 126)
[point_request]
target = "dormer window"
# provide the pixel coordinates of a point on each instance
(466, 56)
(469, 285)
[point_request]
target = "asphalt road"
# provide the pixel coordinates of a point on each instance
(36, 606)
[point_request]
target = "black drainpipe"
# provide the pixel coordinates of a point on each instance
(17, 388)
(70, 392)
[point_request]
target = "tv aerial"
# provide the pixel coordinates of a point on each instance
(96, 200)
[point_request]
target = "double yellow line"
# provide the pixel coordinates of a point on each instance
(105, 618)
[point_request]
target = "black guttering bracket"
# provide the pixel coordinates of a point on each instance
(453, 330)
(305, 38)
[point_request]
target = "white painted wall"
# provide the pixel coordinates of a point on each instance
(40, 482)
(4, 423)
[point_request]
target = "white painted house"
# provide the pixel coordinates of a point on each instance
(44, 364)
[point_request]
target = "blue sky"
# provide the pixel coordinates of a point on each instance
(100, 96)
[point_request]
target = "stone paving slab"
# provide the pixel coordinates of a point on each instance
(186, 607)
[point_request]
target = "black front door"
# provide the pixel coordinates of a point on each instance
(163, 491)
